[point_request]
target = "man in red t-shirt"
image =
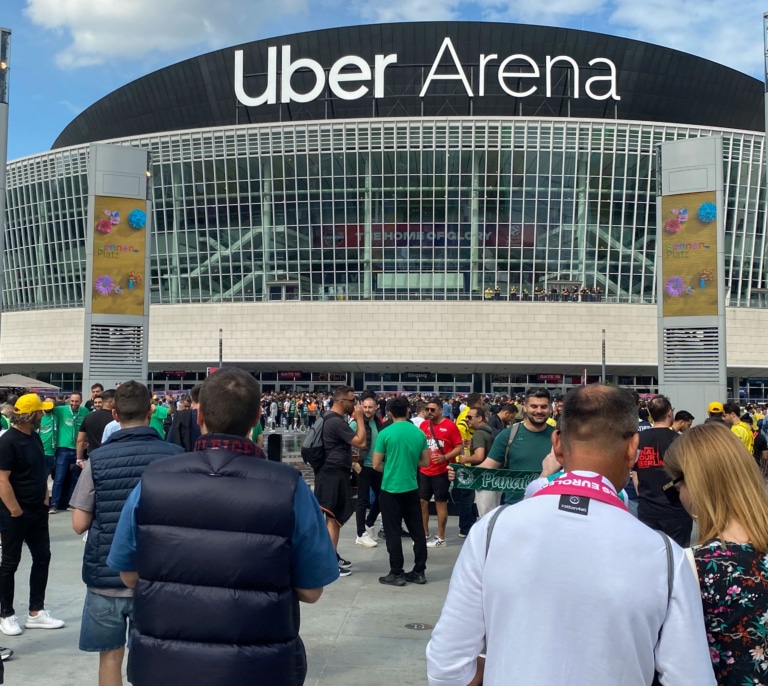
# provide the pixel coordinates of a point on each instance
(444, 443)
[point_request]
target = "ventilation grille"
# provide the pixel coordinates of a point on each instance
(691, 355)
(116, 351)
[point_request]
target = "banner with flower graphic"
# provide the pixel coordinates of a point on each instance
(689, 254)
(119, 253)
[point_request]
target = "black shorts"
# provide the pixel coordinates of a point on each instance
(437, 486)
(334, 492)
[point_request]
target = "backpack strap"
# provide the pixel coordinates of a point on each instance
(512, 433)
(491, 525)
(670, 566)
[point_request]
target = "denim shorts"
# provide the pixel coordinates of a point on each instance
(105, 622)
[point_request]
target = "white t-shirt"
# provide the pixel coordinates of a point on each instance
(417, 420)
(567, 598)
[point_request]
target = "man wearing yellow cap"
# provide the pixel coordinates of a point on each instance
(24, 514)
(714, 413)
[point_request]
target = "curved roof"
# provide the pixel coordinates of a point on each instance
(652, 83)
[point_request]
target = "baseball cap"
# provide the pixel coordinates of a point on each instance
(715, 408)
(31, 403)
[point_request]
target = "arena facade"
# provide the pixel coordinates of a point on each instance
(438, 206)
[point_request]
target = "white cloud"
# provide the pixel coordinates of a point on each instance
(101, 30)
(71, 107)
(531, 12)
(409, 10)
(98, 31)
(726, 31)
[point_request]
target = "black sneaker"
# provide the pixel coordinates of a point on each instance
(344, 572)
(5, 654)
(415, 577)
(393, 579)
(343, 564)
(382, 535)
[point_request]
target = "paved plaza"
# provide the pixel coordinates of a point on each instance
(356, 634)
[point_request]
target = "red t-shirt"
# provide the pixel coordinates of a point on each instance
(446, 433)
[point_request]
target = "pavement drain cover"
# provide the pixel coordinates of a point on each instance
(419, 627)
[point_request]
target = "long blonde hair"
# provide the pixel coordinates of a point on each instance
(723, 480)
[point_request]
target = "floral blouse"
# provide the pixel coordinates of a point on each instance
(734, 591)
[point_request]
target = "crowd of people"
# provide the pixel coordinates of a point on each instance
(553, 294)
(646, 535)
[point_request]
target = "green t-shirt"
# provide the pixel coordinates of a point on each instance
(68, 425)
(401, 443)
(158, 417)
(256, 431)
(367, 453)
(527, 450)
(46, 432)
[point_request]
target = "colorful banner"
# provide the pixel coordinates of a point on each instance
(689, 254)
(498, 480)
(119, 254)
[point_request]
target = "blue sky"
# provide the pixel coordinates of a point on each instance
(66, 54)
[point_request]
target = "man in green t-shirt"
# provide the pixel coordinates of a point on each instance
(160, 413)
(68, 419)
(401, 448)
(47, 433)
(532, 442)
(257, 435)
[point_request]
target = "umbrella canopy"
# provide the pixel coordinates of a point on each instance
(20, 381)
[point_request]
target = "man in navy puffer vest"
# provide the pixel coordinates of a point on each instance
(109, 475)
(221, 545)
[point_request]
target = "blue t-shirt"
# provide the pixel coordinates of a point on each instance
(313, 559)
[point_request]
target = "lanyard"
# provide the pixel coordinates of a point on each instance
(584, 486)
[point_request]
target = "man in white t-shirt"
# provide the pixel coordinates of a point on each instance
(591, 602)
(421, 413)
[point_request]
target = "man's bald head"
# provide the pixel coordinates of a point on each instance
(602, 416)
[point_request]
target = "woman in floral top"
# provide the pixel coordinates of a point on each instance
(722, 488)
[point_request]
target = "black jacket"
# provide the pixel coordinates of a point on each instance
(215, 605)
(116, 467)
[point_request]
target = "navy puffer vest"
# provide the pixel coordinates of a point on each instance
(215, 605)
(116, 468)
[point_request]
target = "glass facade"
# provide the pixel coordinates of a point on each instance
(387, 209)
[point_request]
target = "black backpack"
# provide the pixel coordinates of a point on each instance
(312, 447)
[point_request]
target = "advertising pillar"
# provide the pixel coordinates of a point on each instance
(118, 244)
(690, 274)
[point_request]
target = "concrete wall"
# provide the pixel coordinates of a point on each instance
(533, 336)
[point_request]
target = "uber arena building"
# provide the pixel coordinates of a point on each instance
(342, 203)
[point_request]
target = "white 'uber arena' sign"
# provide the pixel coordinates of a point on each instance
(351, 77)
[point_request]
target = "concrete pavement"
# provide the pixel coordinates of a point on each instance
(356, 634)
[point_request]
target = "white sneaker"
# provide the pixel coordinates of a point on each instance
(10, 626)
(436, 543)
(371, 531)
(366, 541)
(43, 620)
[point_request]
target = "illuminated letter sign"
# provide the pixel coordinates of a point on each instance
(349, 77)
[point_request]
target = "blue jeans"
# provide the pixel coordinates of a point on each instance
(65, 458)
(105, 622)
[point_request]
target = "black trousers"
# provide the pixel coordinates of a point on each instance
(397, 508)
(30, 528)
(367, 479)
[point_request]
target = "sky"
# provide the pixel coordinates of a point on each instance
(67, 54)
